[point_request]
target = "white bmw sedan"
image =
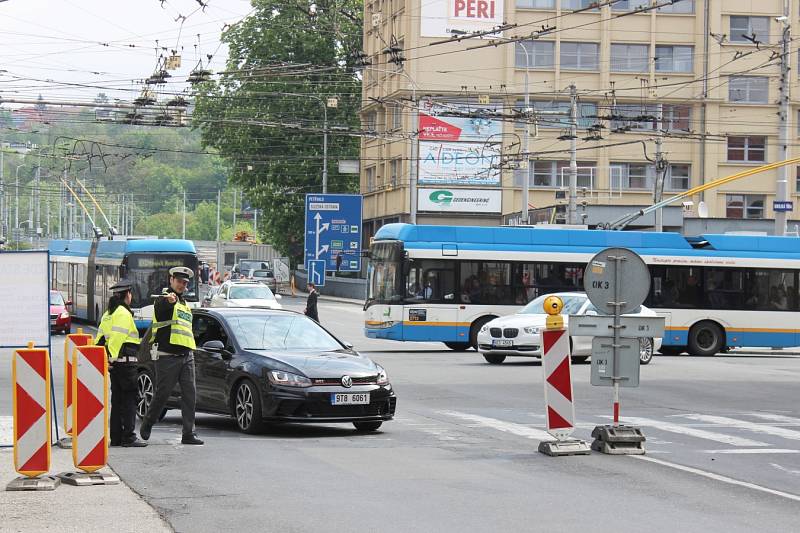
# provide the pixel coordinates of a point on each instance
(520, 334)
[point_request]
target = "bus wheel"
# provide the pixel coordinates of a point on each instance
(458, 346)
(706, 338)
(476, 327)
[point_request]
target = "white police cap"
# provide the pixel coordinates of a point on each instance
(181, 272)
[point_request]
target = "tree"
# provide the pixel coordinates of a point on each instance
(265, 113)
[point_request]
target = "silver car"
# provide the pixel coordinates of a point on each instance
(245, 294)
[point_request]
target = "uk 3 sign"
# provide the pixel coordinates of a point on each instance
(333, 228)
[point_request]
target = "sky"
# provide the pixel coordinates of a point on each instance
(74, 49)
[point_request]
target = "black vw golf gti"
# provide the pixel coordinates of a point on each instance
(261, 365)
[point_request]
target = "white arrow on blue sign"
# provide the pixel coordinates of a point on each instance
(316, 272)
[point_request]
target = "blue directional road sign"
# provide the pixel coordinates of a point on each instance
(333, 227)
(316, 272)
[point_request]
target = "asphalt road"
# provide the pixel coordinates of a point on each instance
(723, 452)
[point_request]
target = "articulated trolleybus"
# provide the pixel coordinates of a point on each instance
(443, 283)
(84, 271)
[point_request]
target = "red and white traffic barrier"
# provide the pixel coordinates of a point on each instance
(31, 408)
(558, 383)
(90, 406)
(70, 346)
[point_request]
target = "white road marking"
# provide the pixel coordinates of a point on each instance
(777, 418)
(784, 469)
(717, 477)
(692, 432)
(500, 425)
(745, 451)
(747, 426)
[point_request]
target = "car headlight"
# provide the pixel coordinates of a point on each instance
(287, 379)
(383, 377)
(65, 315)
(531, 330)
(484, 328)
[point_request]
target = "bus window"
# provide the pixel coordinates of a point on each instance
(431, 280)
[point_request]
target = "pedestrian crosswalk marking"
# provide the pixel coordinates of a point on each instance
(777, 418)
(747, 426)
(746, 451)
(501, 425)
(693, 432)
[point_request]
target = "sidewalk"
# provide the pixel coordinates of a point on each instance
(98, 508)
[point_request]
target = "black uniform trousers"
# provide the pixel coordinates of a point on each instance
(170, 371)
(123, 402)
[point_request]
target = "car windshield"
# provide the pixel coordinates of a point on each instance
(572, 304)
(255, 292)
(56, 299)
(281, 332)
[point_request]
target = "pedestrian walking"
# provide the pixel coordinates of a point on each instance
(311, 302)
(117, 332)
(173, 360)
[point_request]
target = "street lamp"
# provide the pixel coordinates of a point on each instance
(529, 177)
(330, 102)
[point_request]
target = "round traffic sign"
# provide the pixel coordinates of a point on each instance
(600, 281)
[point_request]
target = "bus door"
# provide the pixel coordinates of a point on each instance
(431, 309)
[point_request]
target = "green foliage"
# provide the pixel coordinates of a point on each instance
(267, 123)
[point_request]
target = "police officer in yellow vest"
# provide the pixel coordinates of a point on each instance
(118, 333)
(174, 360)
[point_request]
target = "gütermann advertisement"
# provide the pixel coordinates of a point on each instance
(439, 18)
(459, 200)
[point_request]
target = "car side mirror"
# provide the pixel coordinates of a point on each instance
(278, 297)
(591, 313)
(68, 303)
(214, 346)
(448, 296)
(348, 345)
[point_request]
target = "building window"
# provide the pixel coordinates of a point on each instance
(744, 29)
(576, 4)
(674, 58)
(629, 57)
(587, 113)
(556, 174)
(371, 121)
(639, 117)
(744, 205)
(395, 172)
(797, 180)
(678, 177)
(632, 176)
(676, 117)
(630, 5)
(397, 117)
(540, 54)
(579, 56)
(749, 149)
(536, 4)
(748, 89)
(370, 179)
(682, 6)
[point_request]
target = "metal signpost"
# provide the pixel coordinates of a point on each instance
(316, 272)
(617, 282)
(333, 227)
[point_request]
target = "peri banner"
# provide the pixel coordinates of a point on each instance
(458, 163)
(439, 18)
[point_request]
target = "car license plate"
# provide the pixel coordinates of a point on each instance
(350, 398)
(502, 343)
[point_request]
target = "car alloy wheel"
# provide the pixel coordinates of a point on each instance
(145, 389)
(645, 350)
(247, 408)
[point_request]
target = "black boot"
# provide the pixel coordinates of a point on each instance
(191, 439)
